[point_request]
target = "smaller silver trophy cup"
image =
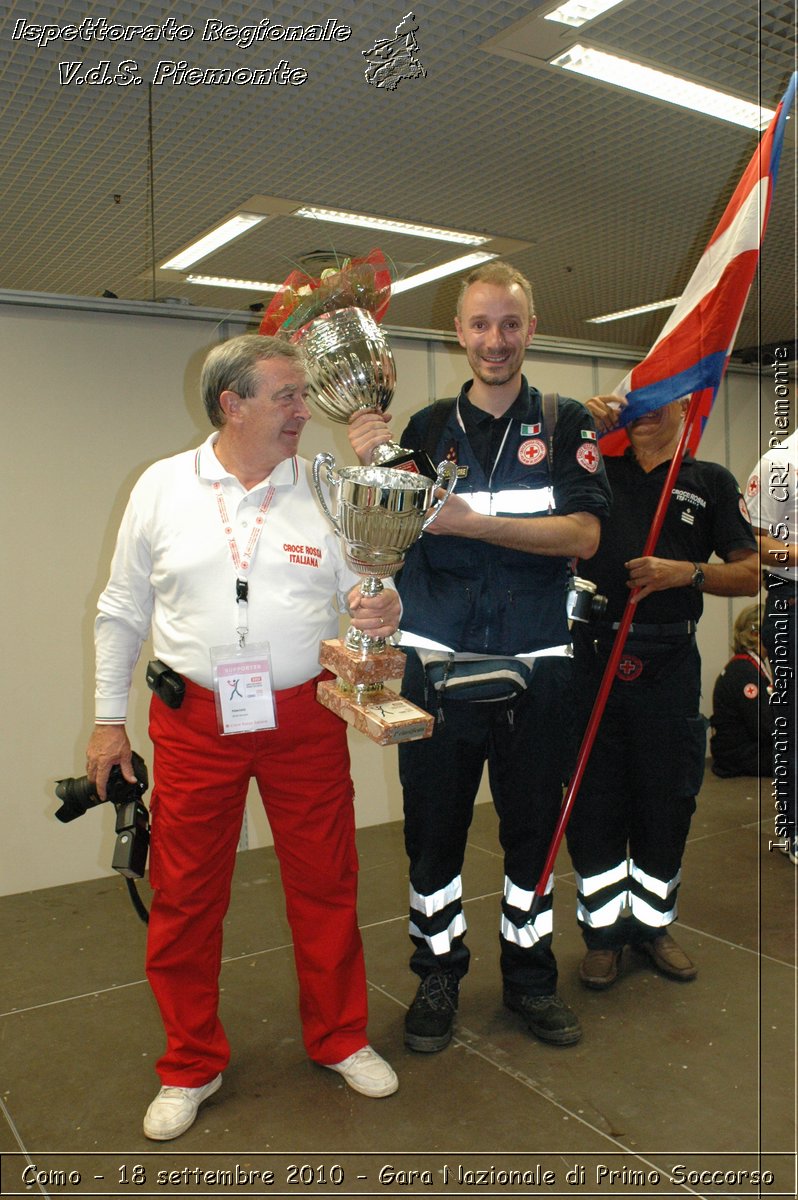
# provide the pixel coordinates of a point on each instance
(380, 514)
(352, 370)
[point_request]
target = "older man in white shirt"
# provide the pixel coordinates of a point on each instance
(225, 558)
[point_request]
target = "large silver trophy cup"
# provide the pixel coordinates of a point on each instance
(379, 513)
(352, 370)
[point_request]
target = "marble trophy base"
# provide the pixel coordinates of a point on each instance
(359, 697)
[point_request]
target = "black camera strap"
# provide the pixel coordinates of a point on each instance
(137, 901)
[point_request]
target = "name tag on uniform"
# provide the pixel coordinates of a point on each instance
(243, 688)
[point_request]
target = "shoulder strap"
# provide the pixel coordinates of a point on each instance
(551, 405)
(439, 415)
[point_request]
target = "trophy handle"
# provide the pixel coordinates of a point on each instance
(324, 460)
(446, 470)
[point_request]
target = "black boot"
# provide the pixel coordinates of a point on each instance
(548, 1017)
(430, 1018)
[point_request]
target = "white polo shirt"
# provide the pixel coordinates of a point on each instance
(173, 574)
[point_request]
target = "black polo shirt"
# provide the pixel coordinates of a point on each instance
(486, 432)
(706, 514)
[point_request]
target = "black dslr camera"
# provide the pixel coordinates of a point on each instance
(132, 818)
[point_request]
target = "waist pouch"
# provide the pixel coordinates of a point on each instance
(478, 677)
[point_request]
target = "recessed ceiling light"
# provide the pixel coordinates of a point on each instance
(443, 269)
(387, 225)
(397, 287)
(622, 72)
(261, 208)
(246, 285)
(220, 236)
(633, 312)
(576, 13)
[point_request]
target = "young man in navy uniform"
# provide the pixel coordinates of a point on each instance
(490, 577)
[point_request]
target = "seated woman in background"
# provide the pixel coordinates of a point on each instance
(741, 742)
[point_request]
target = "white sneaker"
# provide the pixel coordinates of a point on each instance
(367, 1073)
(174, 1110)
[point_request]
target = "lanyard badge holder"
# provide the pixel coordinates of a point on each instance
(242, 674)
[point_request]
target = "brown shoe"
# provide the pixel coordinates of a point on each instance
(668, 957)
(599, 968)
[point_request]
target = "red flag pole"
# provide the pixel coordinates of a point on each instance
(612, 663)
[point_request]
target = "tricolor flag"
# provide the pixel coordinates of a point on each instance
(691, 352)
(687, 359)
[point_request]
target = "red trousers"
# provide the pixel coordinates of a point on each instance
(201, 781)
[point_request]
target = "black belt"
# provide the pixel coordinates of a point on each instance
(674, 629)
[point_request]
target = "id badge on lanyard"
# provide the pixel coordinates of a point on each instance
(242, 688)
(242, 674)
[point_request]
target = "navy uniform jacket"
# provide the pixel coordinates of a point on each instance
(475, 597)
(742, 724)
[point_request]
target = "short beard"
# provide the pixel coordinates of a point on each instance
(495, 380)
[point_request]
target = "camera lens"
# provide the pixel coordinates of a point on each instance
(77, 795)
(80, 794)
(598, 607)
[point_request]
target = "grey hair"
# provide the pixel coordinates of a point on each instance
(502, 275)
(230, 366)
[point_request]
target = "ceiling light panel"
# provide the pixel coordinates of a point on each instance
(575, 13)
(387, 225)
(440, 272)
(734, 46)
(224, 233)
(635, 77)
(284, 244)
(245, 285)
(633, 312)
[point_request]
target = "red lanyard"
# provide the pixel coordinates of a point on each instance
(242, 562)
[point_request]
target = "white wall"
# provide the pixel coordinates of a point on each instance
(92, 397)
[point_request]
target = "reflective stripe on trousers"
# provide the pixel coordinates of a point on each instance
(603, 898)
(426, 922)
(515, 925)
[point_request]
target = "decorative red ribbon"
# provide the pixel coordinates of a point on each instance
(360, 283)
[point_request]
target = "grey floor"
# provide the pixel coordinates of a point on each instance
(675, 1089)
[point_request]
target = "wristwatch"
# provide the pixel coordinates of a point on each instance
(698, 578)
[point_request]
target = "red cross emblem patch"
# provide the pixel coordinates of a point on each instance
(531, 452)
(753, 486)
(588, 457)
(630, 667)
(751, 691)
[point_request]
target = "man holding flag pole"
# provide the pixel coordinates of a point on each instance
(632, 816)
(632, 819)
